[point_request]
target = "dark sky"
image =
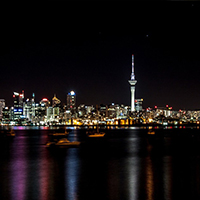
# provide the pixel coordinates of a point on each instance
(58, 49)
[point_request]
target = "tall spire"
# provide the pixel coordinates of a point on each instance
(132, 83)
(132, 74)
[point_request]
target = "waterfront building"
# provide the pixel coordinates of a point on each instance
(29, 108)
(71, 100)
(33, 106)
(49, 113)
(81, 110)
(18, 105)
(165, 111)
(6, 115)
(2, 106)
(71, 103)
(40, 113)
(56, 112)
(112, 111)
(132, 83)
(103, 110)
(138, 105)
(89, 109)
(45, 102)
(55, 101)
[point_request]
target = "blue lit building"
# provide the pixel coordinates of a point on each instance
(18, 106)
(71, 100)
(71, 104)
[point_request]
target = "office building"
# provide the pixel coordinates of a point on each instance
(18, 105)
(55, 101)
(2, 106)
(71, 101)
(138, 105)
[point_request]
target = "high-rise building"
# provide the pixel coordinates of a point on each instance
(49, 113)
(45, 102)
(6, 115)
(138, 105)
(71, 101)
(33, 105)
(2, 106)
(29, 108)
(55, 101)
(132, 82)
(18, 105)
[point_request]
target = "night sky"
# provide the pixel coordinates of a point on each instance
(55, 50)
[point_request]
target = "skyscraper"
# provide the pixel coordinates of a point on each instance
(138, 105)
(71, 101)
(29, 108)
(55, 101)
(132, 82)
(2, 105)
(18, 105)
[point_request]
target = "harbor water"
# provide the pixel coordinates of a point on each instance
(128, 164)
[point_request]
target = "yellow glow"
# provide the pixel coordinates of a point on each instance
(151, 133)
(122, 122)
(150, 120)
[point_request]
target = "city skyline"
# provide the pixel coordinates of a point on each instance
(59, 55)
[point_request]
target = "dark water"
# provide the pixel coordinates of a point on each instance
(126, 164)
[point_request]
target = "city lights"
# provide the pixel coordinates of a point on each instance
(54, 112)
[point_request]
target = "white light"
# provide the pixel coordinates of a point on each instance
(72, 93)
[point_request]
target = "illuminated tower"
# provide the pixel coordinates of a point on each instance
(55, 101)
(71, 100)
(2, 106)
(18, 105)
(33, 105)
(132, 82)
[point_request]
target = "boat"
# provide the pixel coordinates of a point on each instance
(151, 132)
(60, 133)
(63, 142)
(66, 142)
(10, 133)
(96, 134)
(7, 132)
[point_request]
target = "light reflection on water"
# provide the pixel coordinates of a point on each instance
(18, 170)
(44, 171)
(72, 169)
(125, 165)
(133, 169)
(167, 176)
(149, 179)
